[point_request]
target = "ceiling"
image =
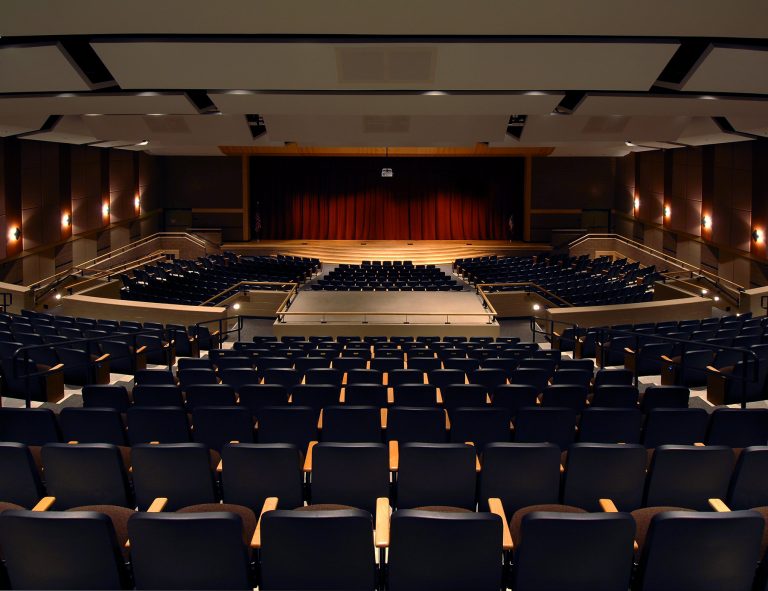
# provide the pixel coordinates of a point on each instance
(183, 77)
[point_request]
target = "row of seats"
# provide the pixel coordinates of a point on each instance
(300, 424)
(392, 276)
(664, 513)
(194, 282)
(580, 282)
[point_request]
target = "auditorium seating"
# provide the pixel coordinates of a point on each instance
(194, 282)
(579, 281)
(386, 276)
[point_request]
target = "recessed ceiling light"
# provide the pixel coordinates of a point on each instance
(629, 144)
(143, 143)
(434, 93)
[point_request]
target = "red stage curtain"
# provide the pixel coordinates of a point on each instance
(347, 199)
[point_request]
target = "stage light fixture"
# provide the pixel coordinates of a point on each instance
(14, 233)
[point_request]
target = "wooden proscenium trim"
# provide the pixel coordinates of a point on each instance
(479, 150)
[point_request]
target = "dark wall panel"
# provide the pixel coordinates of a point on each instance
(572, 183)
(202, 182)
(122, 184)
(86, 189)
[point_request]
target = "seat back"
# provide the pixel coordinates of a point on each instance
(85, 474)
(436, 474)
(605, 471)
(540, 425)
(415, 395)
(466, 546)
(566, 396)
(20, 483)
(749, 483)
(602, 558)
(154, 376)
(688, 476)
(405, 376)
(610, 425)
(181, 472)
(678, 539)
(216, 426)
(210, 395)
(351, 424)
(316, 396)
(106, 396)
(481, 426)
(335, 547)
(529, 376)
(366, 395)
(407, 424)
(92, 425)
(253, 472)
(188, 551)
(610, 396)
(157, 395)
(738, 427)
(664, 397)
(256, 396)
(353, 474)
(675, 426)
(61, 550)
(514, 397)
(164, 424)
(503, 465)
(31, 426)
(463, 395)
(294, 424)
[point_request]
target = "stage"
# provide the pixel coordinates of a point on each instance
(390, 313)
(420, 252)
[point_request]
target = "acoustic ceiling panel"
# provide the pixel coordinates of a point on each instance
(693, 18)
(730, 69)
(573, 128)
(37, 68)
(103, 104)
(386, 130)
(393, 66)
(69, 130)
(15, 124)
(652, 106)
(385, 104)
(172, 129)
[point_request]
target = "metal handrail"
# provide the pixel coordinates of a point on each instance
(84, 266)
(324, 315)
(602, 332)
(528, 284)
(536, 330)
(672, 275)
(242, 285)
(718, 281)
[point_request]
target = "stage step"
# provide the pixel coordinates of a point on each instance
(420, 252)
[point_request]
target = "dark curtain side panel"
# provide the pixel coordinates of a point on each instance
(347, 198)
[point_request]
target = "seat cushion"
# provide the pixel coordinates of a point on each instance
(643, 519)
(517, 518)
(119, 517)
(246, 515)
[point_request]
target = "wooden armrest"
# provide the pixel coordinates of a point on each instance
(57, 367)
(44, 504)
(719, 506)
(667, 359)
(555, 333)
(478, 467)
(382, 522)
(394, 456)
(383, 413)
(141, 349)
(220, 467)
(608, 506)
(498, 509)
(390, 396)
(320, 420)
(158, 505)
(270, 504)
(72, 442)
(698, 444)
(447, 421)
(713, 369)
(628, 350)
(308, 458)
(102, 358)
(215, 333)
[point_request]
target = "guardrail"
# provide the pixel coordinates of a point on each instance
(527, 287)
(720, 283)
(534, 326)
(242, 287)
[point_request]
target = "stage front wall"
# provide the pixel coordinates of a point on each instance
(347, 198)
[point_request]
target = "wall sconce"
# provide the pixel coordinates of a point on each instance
(667, 212)
(14, 233)
(66, 220)
(636, 203)
(105, 209)
(706, 222)
(137, 203)
(758, 235)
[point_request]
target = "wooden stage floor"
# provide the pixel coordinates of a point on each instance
(387, 313)
(418, 251)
